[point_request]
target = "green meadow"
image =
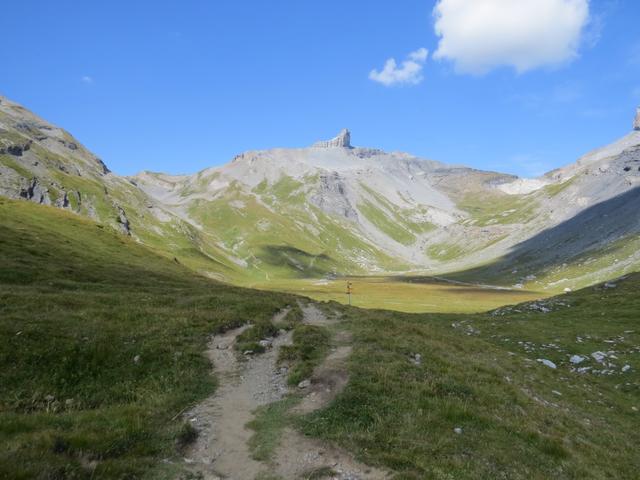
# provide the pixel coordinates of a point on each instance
(103, 346)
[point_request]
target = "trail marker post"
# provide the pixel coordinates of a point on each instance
(349, 290)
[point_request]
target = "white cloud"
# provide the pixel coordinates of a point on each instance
(408, 73)
(87, 79)
(479, 35)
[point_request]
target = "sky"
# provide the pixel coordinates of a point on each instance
(517, 86)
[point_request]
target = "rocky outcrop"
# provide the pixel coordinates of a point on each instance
(63, 201)
(123, 221)
(15, 149)
(35, 192)
(332, 196)
(103, 166)
(636, 123)
(343, 140)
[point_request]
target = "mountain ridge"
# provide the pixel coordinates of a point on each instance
(328, 209)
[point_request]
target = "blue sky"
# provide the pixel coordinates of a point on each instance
(180, 86)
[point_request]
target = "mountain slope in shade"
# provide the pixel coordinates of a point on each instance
(333, 209)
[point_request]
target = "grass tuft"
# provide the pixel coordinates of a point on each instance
(268, 424)
(310, 344)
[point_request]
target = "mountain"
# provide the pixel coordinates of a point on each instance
(333, 209)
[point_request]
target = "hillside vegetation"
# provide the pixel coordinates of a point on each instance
(545, 389)
(102, 344)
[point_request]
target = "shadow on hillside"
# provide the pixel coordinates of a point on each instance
(594, 228)
(302, 264)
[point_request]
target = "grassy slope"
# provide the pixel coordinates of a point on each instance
(519, 418)
(78, 305)
(299, 241)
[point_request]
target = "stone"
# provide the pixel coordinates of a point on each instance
(343, 140)
(548, 363)
(136, 359)
(457, 430)
(265, 343)
(636, 122)
(599, 356)
(416, 359)
(626, 368)
(577, 359)
(304, 384)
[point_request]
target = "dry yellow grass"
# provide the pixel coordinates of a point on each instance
(404, 294)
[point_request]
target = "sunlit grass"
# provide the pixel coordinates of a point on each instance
(401, 294)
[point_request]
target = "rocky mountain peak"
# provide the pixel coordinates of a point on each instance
(636, 123)
(342, 140)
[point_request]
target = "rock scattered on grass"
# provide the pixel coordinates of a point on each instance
(577, 359)
(416, 359)
(304, 384)
(548, 363)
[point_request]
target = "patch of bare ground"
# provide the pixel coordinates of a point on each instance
(248, 382)
(221, 449)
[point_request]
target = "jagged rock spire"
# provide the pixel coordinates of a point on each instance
(342, 140)
(636, 123)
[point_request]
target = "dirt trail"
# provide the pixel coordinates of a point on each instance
(221, 450)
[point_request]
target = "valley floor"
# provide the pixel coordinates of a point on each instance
(404, 293)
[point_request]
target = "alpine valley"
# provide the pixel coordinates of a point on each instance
(184, 327)
(331, 210)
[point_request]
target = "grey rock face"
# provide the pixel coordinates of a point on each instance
(332, 196)
(342, 140)
(15, 149)
(123, 221)
(35, 192)
(636, 123)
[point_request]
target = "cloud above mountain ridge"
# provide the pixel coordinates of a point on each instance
(409, 72)
(481, 35)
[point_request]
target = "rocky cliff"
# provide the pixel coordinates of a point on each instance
(343, 140)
